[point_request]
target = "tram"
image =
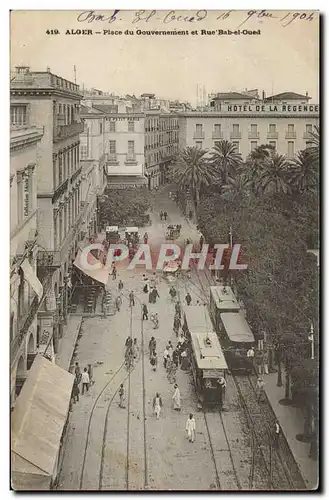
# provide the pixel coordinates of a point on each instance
(196, 319)
(112, 234)
(208, 365)
(232, 328)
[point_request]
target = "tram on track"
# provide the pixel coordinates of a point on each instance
(232, 328)
(208, 365)
(196, 319)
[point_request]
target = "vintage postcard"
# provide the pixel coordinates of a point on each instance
(164, 250)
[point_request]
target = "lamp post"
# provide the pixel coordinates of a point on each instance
(311, 338)
(65, 298)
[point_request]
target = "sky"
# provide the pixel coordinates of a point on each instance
(284, 57)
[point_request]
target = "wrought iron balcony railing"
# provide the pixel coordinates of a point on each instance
(64, 131)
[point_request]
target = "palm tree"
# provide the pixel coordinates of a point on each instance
(260, 153)
(193, 172)
(226, 160)
(303, 172)
(314, 150)
(273, 175)
(254, 163)
(236, 188)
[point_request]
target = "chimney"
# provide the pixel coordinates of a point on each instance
(306, 93)
(264, 95)
(48, 69)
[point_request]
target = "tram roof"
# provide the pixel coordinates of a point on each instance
(111, 229)
(198, 319)
(208, 356)
(236, 327)
(131, 229)
(224, 298)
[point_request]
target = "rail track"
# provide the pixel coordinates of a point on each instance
(120, 376)
(276, 463)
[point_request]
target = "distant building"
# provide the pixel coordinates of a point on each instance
(284, 121)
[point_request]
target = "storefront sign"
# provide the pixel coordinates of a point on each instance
(122, 118)
(265, 108)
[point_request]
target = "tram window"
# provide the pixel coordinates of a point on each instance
(208, 384)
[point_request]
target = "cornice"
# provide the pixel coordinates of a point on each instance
(45, 92)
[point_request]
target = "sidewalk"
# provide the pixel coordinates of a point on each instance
(290, 418)
(292, 423)
(68, 341)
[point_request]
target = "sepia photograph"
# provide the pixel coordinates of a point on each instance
(164, 250)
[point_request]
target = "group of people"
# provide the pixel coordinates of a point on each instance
(131, 351)
(83, 379)
(163, 215)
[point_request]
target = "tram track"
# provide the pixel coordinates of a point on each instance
(97, 403)
(266, 460)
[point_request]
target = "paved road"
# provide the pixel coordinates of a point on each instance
(159, 455)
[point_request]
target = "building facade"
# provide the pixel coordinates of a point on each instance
(25, 287)
(284, 121)
(43, 99)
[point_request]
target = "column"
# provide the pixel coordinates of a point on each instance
(55, 218)
(55, 171)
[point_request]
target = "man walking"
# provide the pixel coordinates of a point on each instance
(118, 302)
(157, 405)
(176, 398)
(260, 388)
(190, 428)
(75, 390)
(145, 312)
(188, 298)
(161, 215)
(114, 273)
(276, 435)
(85, 381)
(152, 345)
(131, 299)
(165, 215)
(120, 285)
(154, 360)
(121, 396)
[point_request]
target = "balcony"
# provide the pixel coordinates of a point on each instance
(48, 260)
(217, 135)
(290, 135)
(199, 135)
(272, 135)
(131, 159)
(307, 136)
(235, 135)
(253, 135)
(62, 132)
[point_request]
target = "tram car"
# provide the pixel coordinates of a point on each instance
(196, 319)
(208, 364)
(112, 234)
(132, 235)
(232, 328)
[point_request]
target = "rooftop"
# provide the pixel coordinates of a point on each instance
(285, 96)
(25, 79)
(233, 95)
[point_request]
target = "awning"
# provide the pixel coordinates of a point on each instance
(37, 424)
(101, 274)
(125, 182)
(32, 278)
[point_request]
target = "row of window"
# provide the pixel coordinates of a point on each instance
(67, 213)
(18, 115)
(113, 148)
(154, 158)
(272, 129)
(152, 124)
(65, 163)
(254, 144)
(65, 114)
(159, 139)
(113, 127)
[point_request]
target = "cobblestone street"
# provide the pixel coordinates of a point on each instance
(113, 448)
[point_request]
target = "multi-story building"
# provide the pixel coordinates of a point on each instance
(284, 121)
(46, 100)
(114, 136)
(25, 287)
(161, 144)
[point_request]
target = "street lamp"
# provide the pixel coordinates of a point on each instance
(311, 338)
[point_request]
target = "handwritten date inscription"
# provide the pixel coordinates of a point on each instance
(144, 16)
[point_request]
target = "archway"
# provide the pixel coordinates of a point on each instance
(20, 375)
(30, 352)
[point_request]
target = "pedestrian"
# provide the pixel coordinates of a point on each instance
(201, 241)
(153, 296)
(188, 298)
(181, 338)
(120, 285)
(145, 238)
(175, 356)
(145, 312)
(176, 398)
(75, 390)
(265, 361)
(155, 320)
(171, 369)
(152, 345)
(114, 273)
(165, 215)
(169, 194)
(165, 357)
(121, 396)
(77, 372)
(146, 288)
(178, 309)
(260, 388)
(157, 405)
(91, 374)
(154, 280)
(135, 348)
(172, 293)
(190, 428)
(131, 299)
(276, 435)
(184, 360)
(161, 215)
(154, 360)
(251, 357)
(118, 302)
(222, 386)
(129, 341)
(85, 381)
(177, 325)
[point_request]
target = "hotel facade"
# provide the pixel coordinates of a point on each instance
(284, 121)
